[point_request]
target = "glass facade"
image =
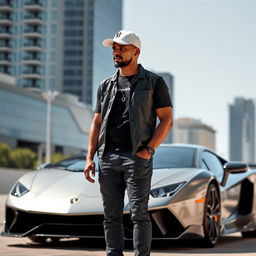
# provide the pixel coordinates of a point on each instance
(24, 118)
(107, 21)
(73, 57)
(242, 130)
(31, 24)
(38, 34)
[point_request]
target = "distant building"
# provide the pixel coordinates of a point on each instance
(23, 119)
(193, 131)
(169, 79)
(56, 44)
(242, 130)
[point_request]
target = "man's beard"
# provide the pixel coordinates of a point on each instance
(121, 64)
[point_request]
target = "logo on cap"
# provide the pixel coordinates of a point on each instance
(118, 34)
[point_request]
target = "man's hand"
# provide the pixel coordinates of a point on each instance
(89, 167)
(143, 154)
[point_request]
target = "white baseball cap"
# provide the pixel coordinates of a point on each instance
(123, 37)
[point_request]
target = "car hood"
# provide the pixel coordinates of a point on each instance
(64, 183)
(66, 192)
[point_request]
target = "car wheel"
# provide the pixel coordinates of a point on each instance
(38, 239)
(248, 234)
(211, 221)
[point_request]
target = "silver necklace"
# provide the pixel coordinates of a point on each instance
(123, 99)
(124, 96)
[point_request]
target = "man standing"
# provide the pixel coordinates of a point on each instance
(124, 133)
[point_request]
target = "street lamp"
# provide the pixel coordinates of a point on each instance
(48, 96)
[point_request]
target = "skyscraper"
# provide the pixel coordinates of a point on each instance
(28, 33)
(54, 44)
(242, 130)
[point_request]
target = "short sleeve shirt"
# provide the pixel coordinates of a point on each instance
(161, 96)
(118, 127)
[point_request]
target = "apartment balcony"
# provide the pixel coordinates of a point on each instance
(32, 33)
(32, 47)
(33, 20)
(33, 6)
(6, 22)
(31, 75)
(5, 34)
(32, 61)
(5, 61)
(6, 6)
(6, 49)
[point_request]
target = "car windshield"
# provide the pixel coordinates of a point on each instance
(174, 157)
(74, 163)
(165, 157)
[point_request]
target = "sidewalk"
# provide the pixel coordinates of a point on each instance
(2, 202)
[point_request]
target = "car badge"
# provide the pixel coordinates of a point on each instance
(74, 200)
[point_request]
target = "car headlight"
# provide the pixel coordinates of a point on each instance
(19, 190)
(168, 190)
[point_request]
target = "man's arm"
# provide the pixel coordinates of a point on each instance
(92, 147)
(161, 131)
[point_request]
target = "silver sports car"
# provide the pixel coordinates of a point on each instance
(194, 194)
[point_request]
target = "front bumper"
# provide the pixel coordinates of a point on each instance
(20, 223)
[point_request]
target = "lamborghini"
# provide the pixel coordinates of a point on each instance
(195, 194)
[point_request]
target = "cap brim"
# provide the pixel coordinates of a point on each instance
(109, 42)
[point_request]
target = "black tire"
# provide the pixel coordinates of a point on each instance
(38, 239)
(211, 221)
(249, 234)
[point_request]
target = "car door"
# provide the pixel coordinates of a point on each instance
(229, 194)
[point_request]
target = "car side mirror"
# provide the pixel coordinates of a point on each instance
(233, 167)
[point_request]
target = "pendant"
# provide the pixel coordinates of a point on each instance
(123, 99)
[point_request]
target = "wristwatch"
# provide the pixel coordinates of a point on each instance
(150, 150)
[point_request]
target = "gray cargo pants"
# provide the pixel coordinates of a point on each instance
(118, 172)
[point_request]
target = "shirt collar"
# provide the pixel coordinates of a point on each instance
(141, 74)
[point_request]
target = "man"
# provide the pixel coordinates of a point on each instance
(125, 134)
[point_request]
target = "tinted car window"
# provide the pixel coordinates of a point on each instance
(213, 163)
(174, 157)
(67, 162)
(74, 163)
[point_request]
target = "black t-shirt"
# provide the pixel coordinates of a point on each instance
(118, 127)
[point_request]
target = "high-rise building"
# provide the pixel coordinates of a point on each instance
(170, 83)
(242, 130)
(56, 44)
(29, 31)
(193, 131)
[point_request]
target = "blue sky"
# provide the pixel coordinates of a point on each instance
(210, 48)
